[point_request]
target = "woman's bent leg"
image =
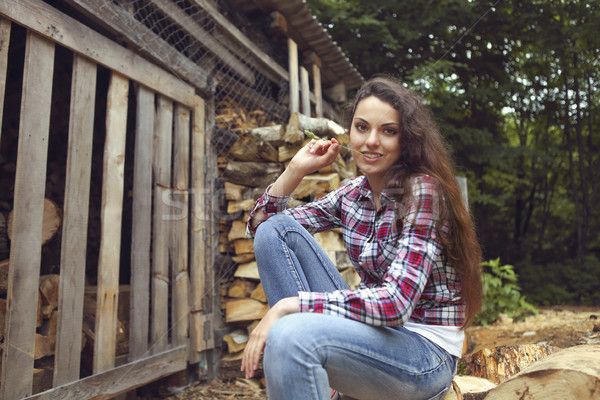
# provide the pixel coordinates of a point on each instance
(290, 260)
(307, 353)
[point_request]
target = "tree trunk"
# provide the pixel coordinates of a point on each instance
(573, 373)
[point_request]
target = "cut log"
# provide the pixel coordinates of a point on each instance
(573, 373)
(248, 271)
(237, 231)
(322, 127)
(259, 294)
(317, 184)
(241, 288)
(243, 246)
(235, 206)
(236, 340)
(351, 277)
(49, 290)
(272, 134)
(253, 174)
(243, 258)
(287, 152)
(500, 363)
(252, 149)
(244, 310)
(50, 223)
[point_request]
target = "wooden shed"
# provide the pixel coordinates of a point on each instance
(113, 116)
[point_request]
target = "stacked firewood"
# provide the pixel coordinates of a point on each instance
(254, 161)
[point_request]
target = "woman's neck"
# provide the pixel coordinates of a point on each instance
(377, 184)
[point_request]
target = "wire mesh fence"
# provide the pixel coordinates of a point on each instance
(186, 36)
(191, 40)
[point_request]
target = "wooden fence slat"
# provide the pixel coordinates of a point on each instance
(109, 384)
(179, 239)
(141, 225)
(202, 336)
(75, 221)
(111, 216)
(4, 40)
(160, 241)
(26, 243)
(72, 34)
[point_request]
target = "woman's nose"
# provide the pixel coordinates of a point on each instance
(373, 139)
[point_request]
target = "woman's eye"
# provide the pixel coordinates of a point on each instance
(360, 127)
(390, 131)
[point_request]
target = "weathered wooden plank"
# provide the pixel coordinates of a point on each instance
(4, 40)
(201, 325)
(305, 91)
(75, 218)
(141, 225)
(110, 224)
(274, 71)
(294, 76)
(179, 239)
(318, 90)
(109, 384)
(163, 131)
(206, 39)
(51, 23)
(25, 252)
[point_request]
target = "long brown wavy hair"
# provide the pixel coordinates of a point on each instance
(425, 152)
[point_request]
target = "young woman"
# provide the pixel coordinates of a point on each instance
(411, 240)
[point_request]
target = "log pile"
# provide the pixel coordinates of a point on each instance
(531, 371)
(254, 161)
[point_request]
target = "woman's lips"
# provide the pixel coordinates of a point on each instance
(372, 156)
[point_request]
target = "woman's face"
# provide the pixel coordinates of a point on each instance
(375, 130)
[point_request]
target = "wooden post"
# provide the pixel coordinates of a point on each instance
(71, 287)
(318, 90)
(107, 297)
(305, 85)
(293, 69)
(141, 225)
(179, 240)
(311, 60)
(163, 130)
(26, 246)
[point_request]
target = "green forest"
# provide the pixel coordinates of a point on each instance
(515, 87)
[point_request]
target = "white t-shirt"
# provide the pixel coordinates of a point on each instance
(449, 338)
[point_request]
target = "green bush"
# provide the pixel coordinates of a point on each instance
(501, 294)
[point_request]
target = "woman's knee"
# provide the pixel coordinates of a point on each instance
(290, 333)
(268, 231)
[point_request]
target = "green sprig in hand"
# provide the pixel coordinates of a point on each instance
(313, 136)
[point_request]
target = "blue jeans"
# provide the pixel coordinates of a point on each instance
(307, 353)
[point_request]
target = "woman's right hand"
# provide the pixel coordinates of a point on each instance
(317, 154)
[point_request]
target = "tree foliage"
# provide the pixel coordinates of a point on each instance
(515, 87)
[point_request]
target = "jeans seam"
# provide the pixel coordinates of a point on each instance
(386, 361)
(315, 251)
(289, 258)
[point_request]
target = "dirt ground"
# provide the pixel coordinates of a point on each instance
(561, 327)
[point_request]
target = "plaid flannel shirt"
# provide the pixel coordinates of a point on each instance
(397, 254)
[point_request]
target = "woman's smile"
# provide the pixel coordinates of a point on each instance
(375, 131)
